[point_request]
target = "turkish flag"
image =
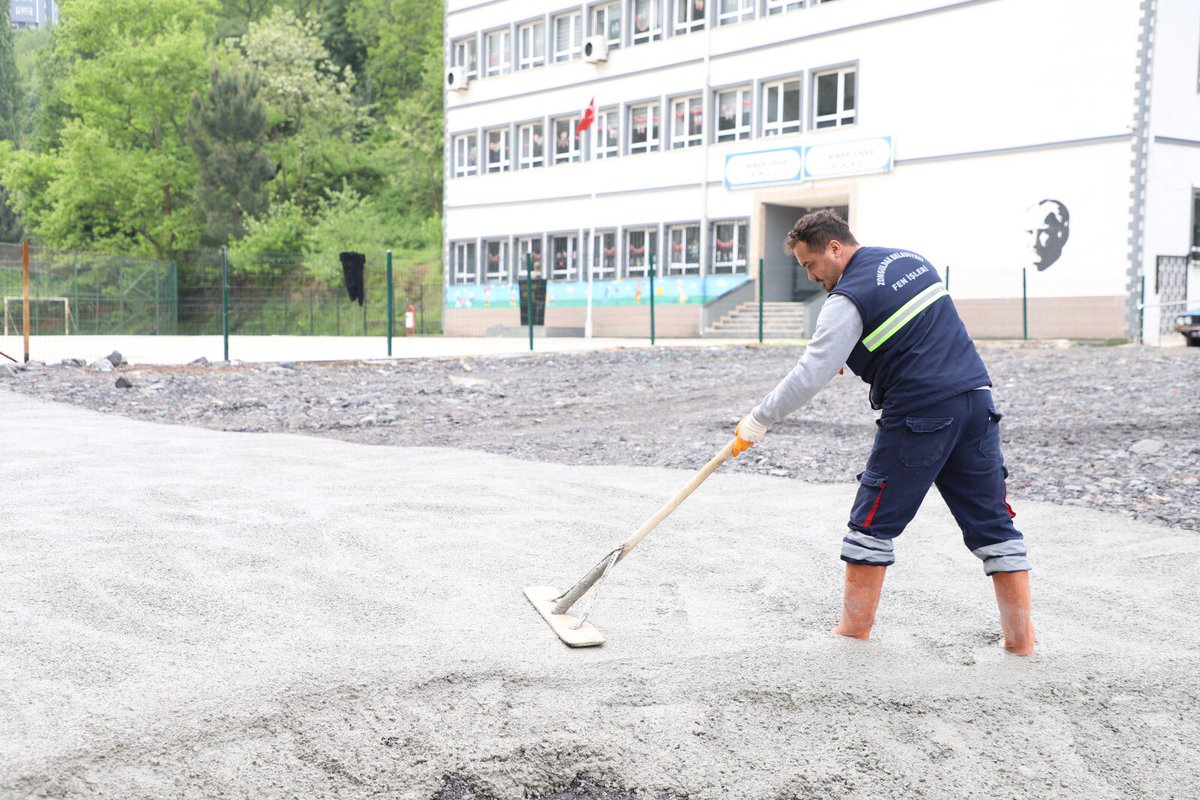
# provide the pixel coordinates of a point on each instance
(589, 116)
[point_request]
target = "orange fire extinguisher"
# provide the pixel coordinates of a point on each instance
(410, 320)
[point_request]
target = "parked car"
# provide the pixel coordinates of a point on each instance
(1189, 326)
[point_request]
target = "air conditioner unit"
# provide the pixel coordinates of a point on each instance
(456, 79)
(595, 49)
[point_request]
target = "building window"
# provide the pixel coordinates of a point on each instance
(531, 144)
(687, 122)
(1195, 250)
(640, 245)
(779, 6)
(495, 261)
(646, 20)
(466, 154)
(531, 44)
(568, 143)
(731, 11)
(465, 52)
(608, 133)
(529, 248)
(564, 250)
(683, 254)
(733, 115)
(643, 128)
(568, 36)
(497, 49)
(729, 241)
(834, 98)
(605, 20)
(498, 156)
(465, 269)
(604, 255)
(689, 16)
(781, 107)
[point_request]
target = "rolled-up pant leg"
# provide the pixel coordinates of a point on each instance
(972, 484)
(907, 457)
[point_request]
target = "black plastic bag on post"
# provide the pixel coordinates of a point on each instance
(352, 272)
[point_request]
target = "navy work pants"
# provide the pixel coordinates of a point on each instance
(954, 445)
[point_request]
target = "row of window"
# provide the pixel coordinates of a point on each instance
(504, 259)
(559, 37)
(833, 93)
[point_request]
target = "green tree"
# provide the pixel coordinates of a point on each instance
(10, 226)
(311, 114)
(29, 47)
(10, 83)
(121, 176)
(346, 48)
(398, 36)
(227, 132)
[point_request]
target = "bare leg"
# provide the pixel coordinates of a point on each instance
(863, 585)
(1013, 599)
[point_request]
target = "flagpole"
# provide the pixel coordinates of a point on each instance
(587, 324)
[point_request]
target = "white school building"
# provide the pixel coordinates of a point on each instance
(1043, 154)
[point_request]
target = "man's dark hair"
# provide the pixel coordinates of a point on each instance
(816, 230)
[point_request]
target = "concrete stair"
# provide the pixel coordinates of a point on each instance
(780, 321)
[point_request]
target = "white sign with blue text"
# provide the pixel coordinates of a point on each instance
(838, 159)
(763, 167)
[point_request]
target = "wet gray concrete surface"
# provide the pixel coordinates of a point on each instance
(189, 612)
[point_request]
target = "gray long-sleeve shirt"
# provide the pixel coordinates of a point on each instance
(839, 327)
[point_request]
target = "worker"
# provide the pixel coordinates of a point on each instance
(889, 318)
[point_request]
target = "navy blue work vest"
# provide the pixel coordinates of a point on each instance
(914, 350)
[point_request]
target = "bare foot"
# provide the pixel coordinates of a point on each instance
(843, 630)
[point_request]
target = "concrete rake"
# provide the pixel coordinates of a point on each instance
(553, 605)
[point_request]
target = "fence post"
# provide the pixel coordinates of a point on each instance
(157, 291)
(762, 280)
(652, 299)
(1141, 338)
(528, 297)
(390, 302)
(225, 299)
(421, 295)
(25, 295)
(1024, 307)
(75, 284)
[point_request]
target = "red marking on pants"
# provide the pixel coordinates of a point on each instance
(875, 507)
(1011, 514)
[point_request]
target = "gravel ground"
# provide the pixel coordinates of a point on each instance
(1112, 428)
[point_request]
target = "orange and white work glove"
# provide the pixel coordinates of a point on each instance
(748, 433)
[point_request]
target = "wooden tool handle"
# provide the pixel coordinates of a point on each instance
(673, 503)
(563, 603)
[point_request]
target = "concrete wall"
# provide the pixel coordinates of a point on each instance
(669, 321)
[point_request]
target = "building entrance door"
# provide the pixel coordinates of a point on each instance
(785, 280)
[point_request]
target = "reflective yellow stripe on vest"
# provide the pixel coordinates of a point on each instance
(905, 315)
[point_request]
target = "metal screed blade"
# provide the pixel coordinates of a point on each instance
(543, 598)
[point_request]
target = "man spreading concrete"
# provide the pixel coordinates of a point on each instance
(890, 320)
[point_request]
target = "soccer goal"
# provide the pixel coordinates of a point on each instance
(43, 309)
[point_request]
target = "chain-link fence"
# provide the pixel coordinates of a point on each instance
(85, 293)
(78, 304)
(287, 294)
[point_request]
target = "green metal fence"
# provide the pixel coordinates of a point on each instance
(276, 294)
(86, 293)
(212, 292)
